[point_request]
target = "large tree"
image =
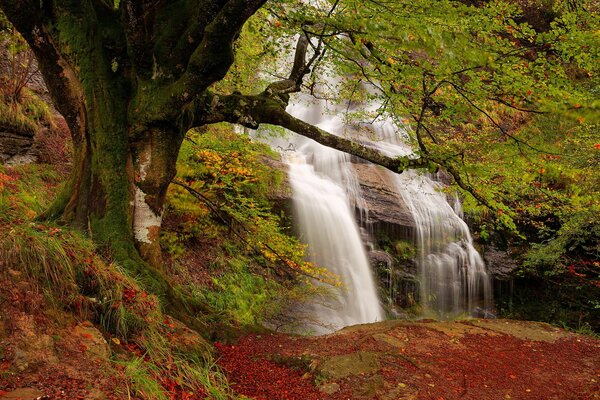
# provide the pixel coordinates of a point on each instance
(131, 77)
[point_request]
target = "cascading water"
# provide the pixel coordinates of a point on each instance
(452, 275)
(451, 272)
(325, 193)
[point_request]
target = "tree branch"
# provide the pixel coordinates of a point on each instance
(213, 57)
(29, 19)
(268, 108)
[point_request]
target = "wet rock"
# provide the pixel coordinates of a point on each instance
(387, 212)
(24, 394)
(500, 263)
(92, 339)
(380, 257)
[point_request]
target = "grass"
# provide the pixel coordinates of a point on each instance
(27, 115)
(143, 383)
(75, 278)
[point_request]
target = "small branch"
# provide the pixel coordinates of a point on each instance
(219, 213)
(492, 120)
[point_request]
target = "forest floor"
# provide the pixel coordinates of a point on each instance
(470, 359)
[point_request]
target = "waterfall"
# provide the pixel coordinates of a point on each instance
(326, 223)
(452, 274)
(326, 193)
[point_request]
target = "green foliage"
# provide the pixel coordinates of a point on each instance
(22, 199)
(142, 381)
(29, 114)
(462, 78)
(240, 295)
(232, 176)
(66, 266)
(168, 370)
(405, 250)
(256, 269)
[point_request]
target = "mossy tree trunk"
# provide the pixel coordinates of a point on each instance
(130, 81)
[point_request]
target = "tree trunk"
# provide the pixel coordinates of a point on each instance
(154, 157)
(118, 185)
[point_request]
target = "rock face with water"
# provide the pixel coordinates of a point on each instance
(387, 213)
(344, 208)
(325, 220)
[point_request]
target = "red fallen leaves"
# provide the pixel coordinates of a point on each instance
(479, 367)
(262, 379)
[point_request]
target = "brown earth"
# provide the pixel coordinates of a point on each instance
(46, 353)
(393, 360)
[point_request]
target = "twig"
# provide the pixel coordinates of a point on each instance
(218, 212)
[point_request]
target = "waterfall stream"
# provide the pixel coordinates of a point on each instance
(452, 274)
(326, 194)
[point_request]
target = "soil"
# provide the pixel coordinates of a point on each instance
(470, 359)
(47, 354)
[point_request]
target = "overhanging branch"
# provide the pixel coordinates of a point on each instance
(252, 111)
(213, 57)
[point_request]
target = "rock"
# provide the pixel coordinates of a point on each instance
(380, 257)
(387, 212)
(16, 147)
(399, 343)
(500, 263)
(342, 366)
(370, 388)
(186, 340)
(24, 394)
(92, 339)
(329, 388)
(32, 348)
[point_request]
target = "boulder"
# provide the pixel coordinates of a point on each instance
(345, 365)
(92, 340)
(16, 147)
(33, 348)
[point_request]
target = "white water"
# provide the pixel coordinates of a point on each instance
(325, 194)
(452, 275)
